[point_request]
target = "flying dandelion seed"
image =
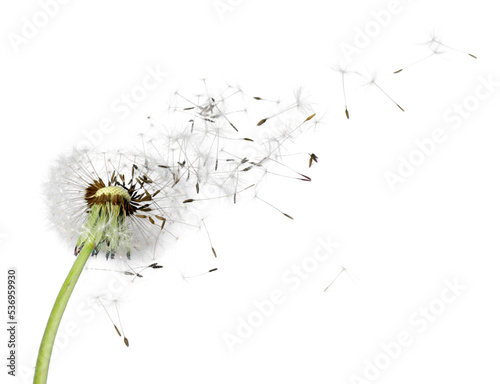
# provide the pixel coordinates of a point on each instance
(435, 51)
(263, 99)
(129, 272)
(373, 82)
(185, 278)
(343, 72)
(209, 238)
(109, 316)
(300, 104)
(435, 40)
(125, 340)
(335, 279)
(312, 158)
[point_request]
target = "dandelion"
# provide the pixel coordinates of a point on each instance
(119, 205)
(115, 205)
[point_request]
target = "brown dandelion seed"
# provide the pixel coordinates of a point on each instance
(125, 340)
(155, 266)
(200, 274)
(272, 206)
(434, 52)
(304, 177)
(386, 94)
(310, 117)
(343, 72)
(435, 40)
(162, 219)
(262, 99)
(312, 158)
(109, 316)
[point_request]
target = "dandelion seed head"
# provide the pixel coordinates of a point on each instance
(117, 201)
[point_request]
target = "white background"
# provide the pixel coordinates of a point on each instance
(399, 247)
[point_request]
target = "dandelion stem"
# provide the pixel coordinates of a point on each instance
(44, 354)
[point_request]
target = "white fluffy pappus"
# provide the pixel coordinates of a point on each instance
(120, 201)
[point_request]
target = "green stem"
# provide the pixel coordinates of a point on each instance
(43, 360)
